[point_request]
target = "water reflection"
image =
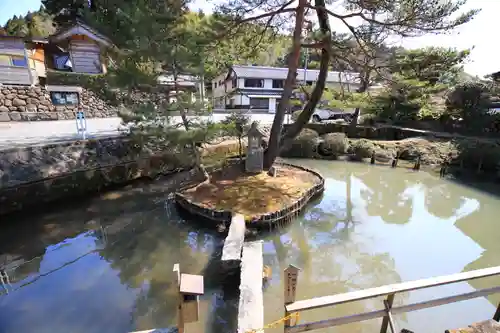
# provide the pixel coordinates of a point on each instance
(323, 244)
(106, 264)
(376, 226)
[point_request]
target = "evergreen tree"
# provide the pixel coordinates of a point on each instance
(159, 37)
(400, 17)
(37, 24)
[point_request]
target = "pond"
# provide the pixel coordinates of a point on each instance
(105, 264)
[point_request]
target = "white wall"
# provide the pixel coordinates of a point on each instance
(241, 82)
(245, 100)
(237, 100)
(220, 90)
(268, 84)
(272, 105)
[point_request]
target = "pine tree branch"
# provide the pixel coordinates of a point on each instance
(271, 14)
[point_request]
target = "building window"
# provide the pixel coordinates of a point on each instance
(278, 83)
(19, 61)
(254, 83)
(309, 83)
(64, 98)
(215, 84)
(259, 103)
(12, 60)
(62, 61)
(4, 60)
(234, 81)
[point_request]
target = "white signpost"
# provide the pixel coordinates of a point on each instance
(81, 124)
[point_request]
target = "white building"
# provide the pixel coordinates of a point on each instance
(185, 83)
(260, 88)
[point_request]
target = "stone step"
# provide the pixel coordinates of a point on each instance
(234, 240)
(251, 303)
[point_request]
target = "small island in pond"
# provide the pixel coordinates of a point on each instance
(253, 194)
(260, 196)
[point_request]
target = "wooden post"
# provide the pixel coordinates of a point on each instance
(180, 316)
(497, 313)
(395, 160)
(192, 286)
(416, 167)
(291, 275)
(392, 324)
(480, 165)
(386, 321)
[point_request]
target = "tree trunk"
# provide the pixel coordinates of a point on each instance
(293, 64)
(317, 92)
(240, 149)
(365, 82)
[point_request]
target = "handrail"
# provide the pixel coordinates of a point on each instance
(323, 301)
(390, 291)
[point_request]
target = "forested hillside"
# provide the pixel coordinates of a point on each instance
(39, 24)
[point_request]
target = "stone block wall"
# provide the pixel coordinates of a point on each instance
(33, 176)
(39, 174)
(34, 103)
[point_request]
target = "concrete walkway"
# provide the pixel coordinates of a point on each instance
(18, 134)
(15, 134)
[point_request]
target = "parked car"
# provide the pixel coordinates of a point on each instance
(326, 114)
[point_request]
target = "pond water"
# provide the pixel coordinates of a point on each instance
(105, 264)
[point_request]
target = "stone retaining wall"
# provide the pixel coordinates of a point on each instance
(40, 174)
(269, 220)
(30, 164)
(34, 103)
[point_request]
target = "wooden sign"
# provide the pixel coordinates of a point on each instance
(291, 275)
(180, 317)
(190, 309)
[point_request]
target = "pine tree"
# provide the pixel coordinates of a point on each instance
(399, 17)
(158, 37)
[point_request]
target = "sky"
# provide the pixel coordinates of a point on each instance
(484, 56)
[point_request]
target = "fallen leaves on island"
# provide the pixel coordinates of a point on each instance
(252, 194)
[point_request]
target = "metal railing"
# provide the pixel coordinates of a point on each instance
(390, 291)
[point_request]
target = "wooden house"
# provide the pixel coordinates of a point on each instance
(14, 68)
(26, 60)
(77, 49)
(35, 51)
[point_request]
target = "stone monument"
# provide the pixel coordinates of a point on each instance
(255, 153)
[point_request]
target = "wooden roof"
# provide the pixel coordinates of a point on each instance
(80, 28)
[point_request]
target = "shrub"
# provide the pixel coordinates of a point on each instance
(236, 124)
(368, 119)
(333, 144)
(296, 114)
(362, 149)
(304, 145)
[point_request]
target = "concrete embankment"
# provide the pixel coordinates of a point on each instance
(35, 175)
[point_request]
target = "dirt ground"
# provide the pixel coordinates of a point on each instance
(252, 194)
